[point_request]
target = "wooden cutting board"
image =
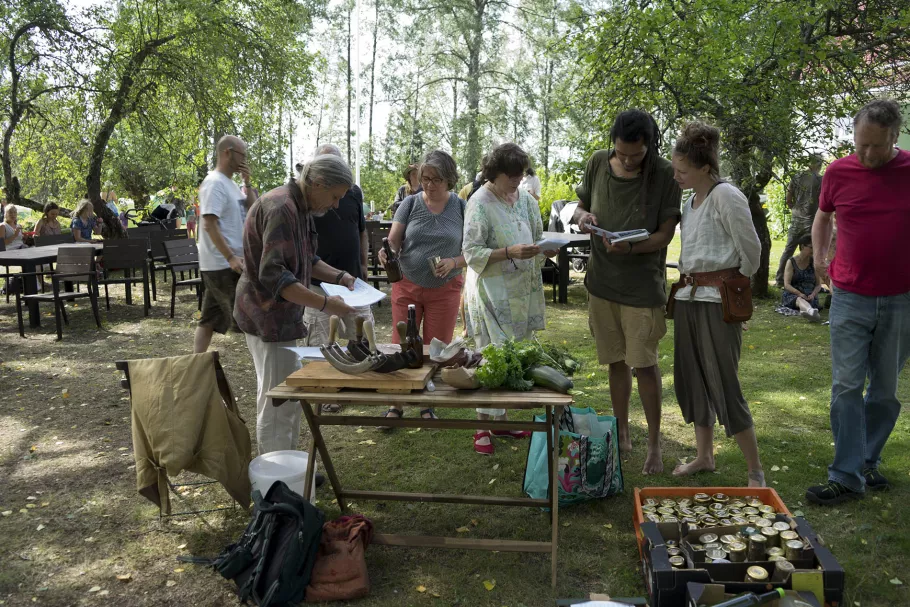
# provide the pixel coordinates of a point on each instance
(323, 377)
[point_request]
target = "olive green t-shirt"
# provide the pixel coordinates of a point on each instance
(632, 280)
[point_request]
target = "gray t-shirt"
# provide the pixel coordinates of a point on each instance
(427, 235)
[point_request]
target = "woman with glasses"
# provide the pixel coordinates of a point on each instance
(426, 235)
(504, 291)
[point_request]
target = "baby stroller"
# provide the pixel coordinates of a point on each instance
(164, 216)
(561, 214)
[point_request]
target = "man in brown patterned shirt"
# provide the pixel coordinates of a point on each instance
(279, 249)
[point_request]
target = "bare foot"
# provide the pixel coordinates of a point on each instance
(625, 441)
(653, 462)
(694, 467)
(757, 479)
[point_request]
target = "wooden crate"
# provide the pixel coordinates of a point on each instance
(323, 377)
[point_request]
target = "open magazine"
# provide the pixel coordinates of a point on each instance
(626, 236)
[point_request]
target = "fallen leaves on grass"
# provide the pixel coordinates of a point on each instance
(6, 512)
(775, 468)
(608, 526)
(369, 441)
(463, 530)
(489, 584)
(492, 480)
(421, 589)
(94, 589)
(39, 528)
(170, 583)
(125, 577)
(896, 581)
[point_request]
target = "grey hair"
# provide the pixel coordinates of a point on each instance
(80, 208)
(883, 112)
(326, 169)
(444, 165)
(328, 148)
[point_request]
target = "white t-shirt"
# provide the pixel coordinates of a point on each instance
(531, 184)
(220, 196)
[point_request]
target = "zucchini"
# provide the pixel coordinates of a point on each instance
(548, 377)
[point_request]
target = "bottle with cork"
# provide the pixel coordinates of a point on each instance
(392, 263)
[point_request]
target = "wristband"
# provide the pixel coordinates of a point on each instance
(507, 254)
(630, 247)
(339, 277)
(324, 303)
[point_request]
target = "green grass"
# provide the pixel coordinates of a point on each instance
(66, 453)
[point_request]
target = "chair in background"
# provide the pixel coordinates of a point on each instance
(127, 256)
(14, 287)
(183, 256)
(43, 241)
(75, 264)
(375, 233)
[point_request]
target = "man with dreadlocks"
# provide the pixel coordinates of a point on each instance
(630, 187)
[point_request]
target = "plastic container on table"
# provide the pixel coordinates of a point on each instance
(287, 466)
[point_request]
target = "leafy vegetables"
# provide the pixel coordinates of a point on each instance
(505, 365)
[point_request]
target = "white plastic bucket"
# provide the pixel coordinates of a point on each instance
(286, 466)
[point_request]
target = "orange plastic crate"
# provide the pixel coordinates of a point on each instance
(766, 494)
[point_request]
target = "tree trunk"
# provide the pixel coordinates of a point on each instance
(349, 87)
(472, 149)
(120, 108)
(372, 88)
(752, 185)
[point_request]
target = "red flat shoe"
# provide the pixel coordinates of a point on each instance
(511, 433)
(483, 449)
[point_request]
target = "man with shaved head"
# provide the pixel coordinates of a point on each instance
(223, 208)
(342, 243)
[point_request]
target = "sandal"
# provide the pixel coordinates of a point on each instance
(431, 414)
(483, 449)
(398, 413)
(511, 433)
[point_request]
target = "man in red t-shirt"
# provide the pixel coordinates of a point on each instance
(869, 191)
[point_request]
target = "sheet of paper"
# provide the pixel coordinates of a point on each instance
(552, 243)
(362, 295)
(307, 353)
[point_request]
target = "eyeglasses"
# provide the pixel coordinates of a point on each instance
(432, 181)
(242, 154)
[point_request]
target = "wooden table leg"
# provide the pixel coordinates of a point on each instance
(550, 470)
(563, 262)
(556, 414)
(319, 443)
(311, 461)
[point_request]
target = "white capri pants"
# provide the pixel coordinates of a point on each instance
(277, 428)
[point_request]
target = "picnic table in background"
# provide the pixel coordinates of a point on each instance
(29, 259)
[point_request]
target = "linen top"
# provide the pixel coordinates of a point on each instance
(8, 231)
(279, 249)
(873, 220)
(429, 235)
(502, 299)
(718, 235)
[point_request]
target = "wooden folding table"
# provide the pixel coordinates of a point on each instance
(443, 397)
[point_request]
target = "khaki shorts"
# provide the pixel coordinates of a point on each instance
(624, 333)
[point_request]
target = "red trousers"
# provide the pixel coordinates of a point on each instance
(436, 308)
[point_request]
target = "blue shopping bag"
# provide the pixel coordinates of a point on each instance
(589, 465)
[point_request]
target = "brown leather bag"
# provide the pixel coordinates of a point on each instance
(340, 572)
(735, 292)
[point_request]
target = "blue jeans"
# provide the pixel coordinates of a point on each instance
(870, 338)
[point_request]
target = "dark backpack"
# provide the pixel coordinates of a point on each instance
(273, 560)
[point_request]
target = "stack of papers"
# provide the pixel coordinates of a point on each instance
(362, 295)
(554, 243)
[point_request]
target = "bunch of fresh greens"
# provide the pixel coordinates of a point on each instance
(502, 367)
(506, 365)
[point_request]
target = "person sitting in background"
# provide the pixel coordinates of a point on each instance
(12, 231)
(408, 189)
(429, 225)
(85, 222)
(801, 288)
(48, 225)
(530, 183)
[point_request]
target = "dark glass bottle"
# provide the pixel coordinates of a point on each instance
(392, 265)
(414, 340)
